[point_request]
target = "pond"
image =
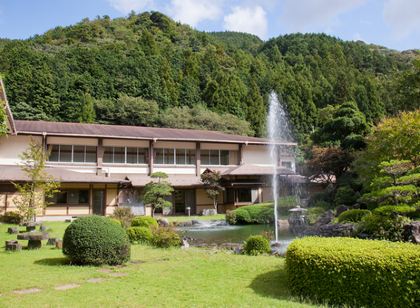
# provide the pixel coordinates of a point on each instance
(218, 232)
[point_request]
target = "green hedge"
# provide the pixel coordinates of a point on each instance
(256, 245)
(139, 234)
(354, 272)
(251, 214)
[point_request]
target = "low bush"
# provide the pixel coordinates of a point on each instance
(11, 218)
(404, 210)
(96, 240)
(251, 214)
(314, 213)
(144, 221)
(165, 237)
(115, 221)
(139, 234)
(256, 245)
(355, 215)
(124, 215)
(382, 227)
(353, 272)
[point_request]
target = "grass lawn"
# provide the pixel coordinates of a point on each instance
(189, 218)
(154, 278)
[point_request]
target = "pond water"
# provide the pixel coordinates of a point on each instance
(218, 232)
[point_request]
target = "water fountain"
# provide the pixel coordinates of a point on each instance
(278, 130)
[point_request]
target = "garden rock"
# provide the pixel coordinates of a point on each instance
(51, 241)
(209, 212)
(58, 244)
(195, 222)
(340, 209)
(337, 230)
(13, 230)
(13, 245)
(325, 218)
(412, 232)
(185, 244)
(43, 228)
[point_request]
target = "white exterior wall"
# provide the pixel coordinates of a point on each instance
(72, 141)
(12, 146)
(256, 155)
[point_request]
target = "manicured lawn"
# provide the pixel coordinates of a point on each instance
(189, 218)
(154, 278)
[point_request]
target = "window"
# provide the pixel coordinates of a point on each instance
(125, 155)
(244, 195)
(174, 156)
(71, 197)
(215, 157)
(72, 153)
(286, 164)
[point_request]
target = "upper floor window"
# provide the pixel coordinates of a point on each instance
(126, 155)
(215, 157)
(72, 153)
(286, 164)
(167, 156)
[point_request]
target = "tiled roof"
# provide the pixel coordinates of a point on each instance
(15, 174)
(130, 132)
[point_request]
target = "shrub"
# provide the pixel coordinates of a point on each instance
(144, 221)
(346, 195)
(404, 210)
(165, 237)
(139, 234)
(251, 214)
(256, 245)
(96, 240)
(115, 221)
(383, 227)
(355, 215)
(314, 213)
(231, 217)
(11, 218)
(354, 272)
(124, 215)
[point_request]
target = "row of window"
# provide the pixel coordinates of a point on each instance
(131, 155)
(70, 197)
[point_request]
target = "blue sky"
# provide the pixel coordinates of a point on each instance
(392, 23)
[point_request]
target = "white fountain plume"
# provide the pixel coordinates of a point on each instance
(278, 130)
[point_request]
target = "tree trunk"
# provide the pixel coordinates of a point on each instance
(215, 204)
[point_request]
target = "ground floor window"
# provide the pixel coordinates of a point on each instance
(244, 195)
(70, 197)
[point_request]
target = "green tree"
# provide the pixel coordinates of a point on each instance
(394, 138)
(157, 192)
(256, 110)
(345, 128)
(88, 109)
(211, 181)
(136, 111)
(40, 186)
(3, 119)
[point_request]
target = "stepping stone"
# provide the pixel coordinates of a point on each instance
(27, 291)
(95, 280)
(117, 274)
(67, 287)
(105, 270)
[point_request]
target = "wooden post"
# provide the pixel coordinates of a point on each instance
(197, 158)
(99, 156)
(105, 199)
(5, 203)
(90, 198)
(151, 156)
(240, 154)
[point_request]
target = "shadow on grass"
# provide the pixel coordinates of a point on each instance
(53, 261)
(271, 284)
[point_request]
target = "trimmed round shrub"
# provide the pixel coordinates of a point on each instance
(355, 215)
(139, 234)
(354, 272)
(144, 221)
(251, 214)
(256, 245)
(165, 237)
(96, 240)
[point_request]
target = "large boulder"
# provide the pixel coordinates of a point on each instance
(412, 232)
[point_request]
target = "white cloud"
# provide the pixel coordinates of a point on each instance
(307, 15)
(193, 12)
(126, 6)
(247, 19)
(403, 16)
